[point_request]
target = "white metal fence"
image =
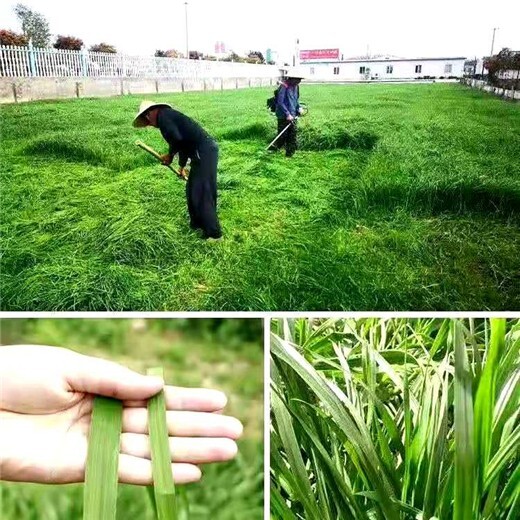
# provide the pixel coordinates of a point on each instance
(37, 62)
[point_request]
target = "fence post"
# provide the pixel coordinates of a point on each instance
(84, 63)
(32, 62)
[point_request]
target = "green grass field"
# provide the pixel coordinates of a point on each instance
(222, 354)
(402, 197)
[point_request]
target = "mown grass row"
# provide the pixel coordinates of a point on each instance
(395, 419)
(402, 197)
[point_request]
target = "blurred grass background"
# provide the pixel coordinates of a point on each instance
(226, 354)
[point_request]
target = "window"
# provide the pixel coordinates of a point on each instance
(447, 68)
(336, 70)
(389, 69)
(418, 69)
(362, 70)
(312, 70)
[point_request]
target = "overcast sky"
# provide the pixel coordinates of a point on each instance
(400, 27)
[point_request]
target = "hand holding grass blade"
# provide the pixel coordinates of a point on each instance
(157, 155)
(101, 472)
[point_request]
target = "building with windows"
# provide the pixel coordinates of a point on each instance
(383, 68)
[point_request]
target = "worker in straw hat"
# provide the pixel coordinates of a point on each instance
(288, 109)
(187, 138)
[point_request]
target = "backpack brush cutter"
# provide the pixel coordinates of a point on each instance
(271, 105)
(157, 155)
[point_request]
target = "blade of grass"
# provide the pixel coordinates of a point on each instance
(164, 487)
(101, 471)
(346, 416)
(463, 408)
(292, 448)
(485, 399)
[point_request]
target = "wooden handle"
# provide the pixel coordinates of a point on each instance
(158, 156)
(149, 149)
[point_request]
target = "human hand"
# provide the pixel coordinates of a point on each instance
(166, 159)
(46, 399)
(290, 117)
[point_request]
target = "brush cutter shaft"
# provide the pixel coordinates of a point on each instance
(158, 156)
(281, 133)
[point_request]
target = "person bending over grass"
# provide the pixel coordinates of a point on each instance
(46, 401)
(287, 110)
(187, 138)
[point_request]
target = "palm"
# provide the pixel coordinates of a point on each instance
(57, 446)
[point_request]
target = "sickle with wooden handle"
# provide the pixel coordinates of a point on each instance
(151, 151)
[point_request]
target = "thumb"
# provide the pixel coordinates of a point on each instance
(99, 376)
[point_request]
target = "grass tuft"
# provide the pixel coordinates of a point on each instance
(405, 419)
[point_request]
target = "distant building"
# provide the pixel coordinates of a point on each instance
(383, 68)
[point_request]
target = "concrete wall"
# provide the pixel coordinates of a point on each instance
(482, 85)
(16, 90)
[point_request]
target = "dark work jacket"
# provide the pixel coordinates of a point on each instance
(287, 101)
(183, 134)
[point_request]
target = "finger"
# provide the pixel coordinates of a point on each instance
(183, 449)
(185, 424)
(99, 376)
(138, 471)
(194, 399)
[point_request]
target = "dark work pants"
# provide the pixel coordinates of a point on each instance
(201, 192)
(288, 139)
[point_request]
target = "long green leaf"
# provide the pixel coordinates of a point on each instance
(164, 487)
(101, 471)
(464, 452)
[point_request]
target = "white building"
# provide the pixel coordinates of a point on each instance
(388, 69)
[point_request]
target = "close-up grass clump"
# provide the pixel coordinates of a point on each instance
(395, 419)
(223, 354)
(400, 197)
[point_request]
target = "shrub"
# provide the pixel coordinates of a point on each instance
(103, 47)
(11, 38)
(68, 43)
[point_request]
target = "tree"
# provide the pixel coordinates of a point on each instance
(196, 55)
(505, 60)
(233, 56)
(172, 53)
(70, 43)
(103, 47)
(255, 57)
(11, 38)
(34, 25)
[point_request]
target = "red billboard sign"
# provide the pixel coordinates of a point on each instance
(320, 54)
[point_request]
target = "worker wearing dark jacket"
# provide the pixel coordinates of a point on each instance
(190, 141)
(287, 110)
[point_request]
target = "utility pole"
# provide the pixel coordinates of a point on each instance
(495, 29)
(186, 16)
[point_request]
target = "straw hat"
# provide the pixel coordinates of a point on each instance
(139, 121)
(294, 72)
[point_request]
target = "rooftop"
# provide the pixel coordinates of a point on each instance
(380, 59)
